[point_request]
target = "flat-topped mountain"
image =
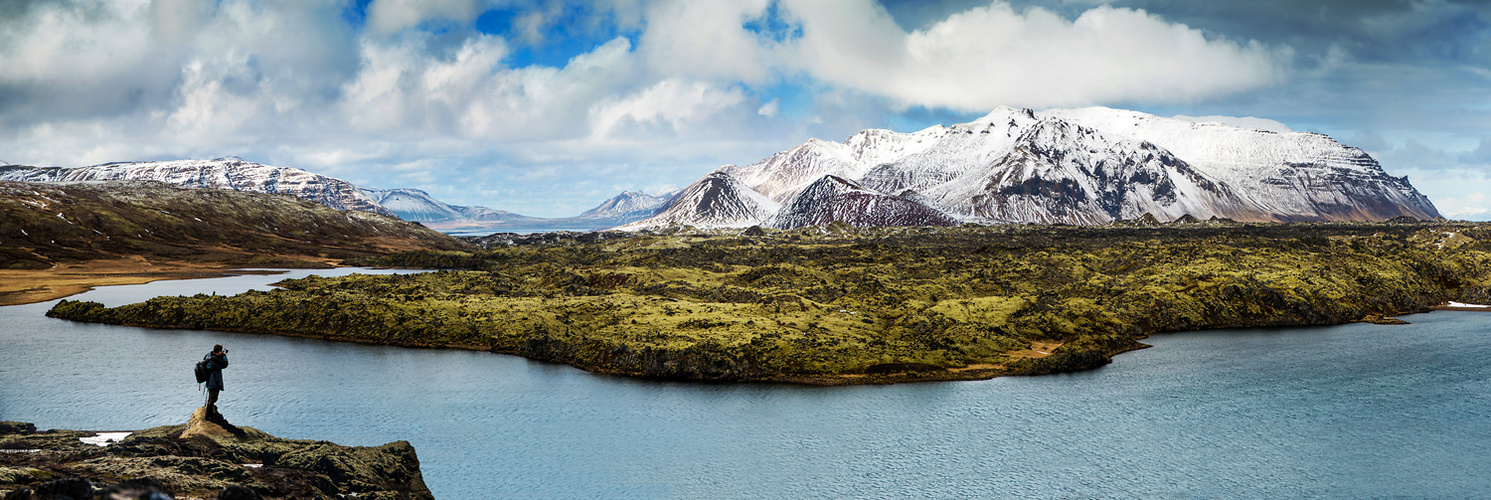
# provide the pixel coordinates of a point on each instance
(1091, 166)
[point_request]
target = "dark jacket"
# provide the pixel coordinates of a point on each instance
(215, 365)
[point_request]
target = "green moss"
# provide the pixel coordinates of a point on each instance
(807, 304)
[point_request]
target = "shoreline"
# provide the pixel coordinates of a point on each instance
(31, 286)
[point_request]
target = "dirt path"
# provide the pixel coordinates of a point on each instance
(1037, 350)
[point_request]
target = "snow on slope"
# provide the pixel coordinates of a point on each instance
(964, 147)
(221, 173)
(414, 205)
(1060, 172)
(1095, 165)
(782, 175)
(1290, 176)
(626, 207)
(836, 199)
(718, 200)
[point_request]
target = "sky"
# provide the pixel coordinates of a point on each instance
(548, 107)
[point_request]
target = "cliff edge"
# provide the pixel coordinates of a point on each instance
(205, 458)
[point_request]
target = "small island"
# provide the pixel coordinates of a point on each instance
(838, 305)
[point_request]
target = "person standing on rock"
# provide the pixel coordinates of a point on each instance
(216, 361)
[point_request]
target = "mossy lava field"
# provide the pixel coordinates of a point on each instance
(837, 305)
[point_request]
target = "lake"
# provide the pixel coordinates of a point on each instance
(1348, 411)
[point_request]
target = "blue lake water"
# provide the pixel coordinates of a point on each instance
(1353, 411)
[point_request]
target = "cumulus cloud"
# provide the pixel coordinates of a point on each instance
(707, 40)
(669, 90)
(671, 101)
(993, 55)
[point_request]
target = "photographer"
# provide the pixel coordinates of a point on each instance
(216, 361)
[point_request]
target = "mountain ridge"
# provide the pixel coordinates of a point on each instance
(1094, 166)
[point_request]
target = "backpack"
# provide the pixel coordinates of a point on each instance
(202, 371)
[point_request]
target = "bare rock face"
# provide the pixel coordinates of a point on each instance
(835, 199)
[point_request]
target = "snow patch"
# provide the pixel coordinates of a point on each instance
(105, 438)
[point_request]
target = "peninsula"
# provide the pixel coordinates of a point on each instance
(841, 305)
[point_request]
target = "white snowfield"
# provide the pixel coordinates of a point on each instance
(105, 438)
(1077, 166)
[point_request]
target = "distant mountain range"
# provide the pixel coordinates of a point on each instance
(1067, 166)
(409, 204)
(222, 173)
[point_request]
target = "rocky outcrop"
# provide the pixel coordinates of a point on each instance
(203, 459)
(206, 421)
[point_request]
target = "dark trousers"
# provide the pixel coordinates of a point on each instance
(211, 397)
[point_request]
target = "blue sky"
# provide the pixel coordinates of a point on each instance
(548, 107)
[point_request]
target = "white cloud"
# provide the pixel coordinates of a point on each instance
(392, 16)
(707, 40)
(990, 56)
(673, 101)
(770, 109)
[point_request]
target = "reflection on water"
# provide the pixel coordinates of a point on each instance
(1349, 411)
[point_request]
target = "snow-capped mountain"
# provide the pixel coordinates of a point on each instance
(1281, 177)
(1096, 165)
(1060, 172)
(716, 201)
(782, 175)
(836, 199)
(629, 206)
(415, 205)
(221, 173)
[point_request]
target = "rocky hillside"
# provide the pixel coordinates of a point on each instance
(43, 224)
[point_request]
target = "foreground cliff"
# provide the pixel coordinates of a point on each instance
(838, 305)
(243, 464)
